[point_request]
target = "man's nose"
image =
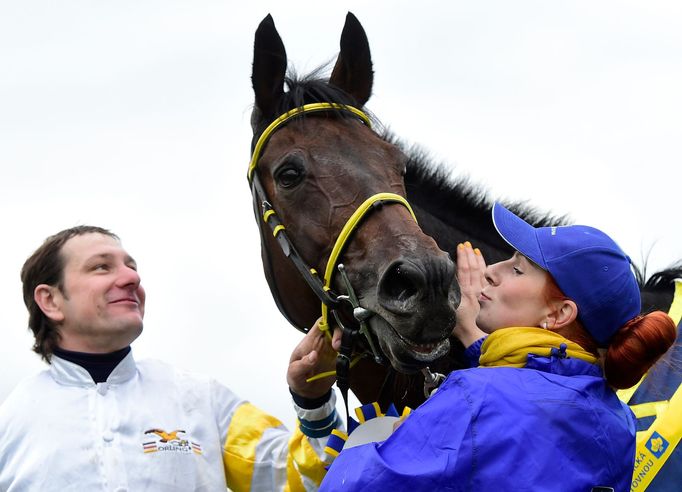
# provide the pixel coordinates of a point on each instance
(128, 277)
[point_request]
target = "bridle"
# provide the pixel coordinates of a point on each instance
(321, 287)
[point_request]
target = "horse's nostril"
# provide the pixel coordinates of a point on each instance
(400, 284)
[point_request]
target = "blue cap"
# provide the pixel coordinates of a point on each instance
(587, 265)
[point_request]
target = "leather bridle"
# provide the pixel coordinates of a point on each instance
(321, 287)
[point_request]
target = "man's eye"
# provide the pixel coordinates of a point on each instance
(101, 266)
(518, 271)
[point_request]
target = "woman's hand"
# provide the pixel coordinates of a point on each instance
(471, 277)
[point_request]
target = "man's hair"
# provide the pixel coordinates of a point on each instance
(46, 266)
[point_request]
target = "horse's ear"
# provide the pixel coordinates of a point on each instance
(353, 70)
(269, 67)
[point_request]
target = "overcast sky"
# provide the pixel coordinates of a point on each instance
(134, 115)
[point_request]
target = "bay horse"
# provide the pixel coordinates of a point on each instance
(333, 191)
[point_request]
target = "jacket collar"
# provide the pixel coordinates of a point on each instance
(70, 374)
(513, 346)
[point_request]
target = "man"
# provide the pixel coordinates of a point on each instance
(98, 420)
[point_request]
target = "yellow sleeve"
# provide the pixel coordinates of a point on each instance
(255, 438)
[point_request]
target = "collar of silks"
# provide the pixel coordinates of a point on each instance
(510, 347)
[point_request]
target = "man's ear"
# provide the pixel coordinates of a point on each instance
(565, 313)
(49, 300)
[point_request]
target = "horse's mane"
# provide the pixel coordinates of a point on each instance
(434, 182)
(659, 288)
(661, 281)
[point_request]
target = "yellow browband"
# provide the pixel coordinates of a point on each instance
(357, 216)
(308, 108)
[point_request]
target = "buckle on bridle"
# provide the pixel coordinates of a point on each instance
(360, 314)
(432, 380)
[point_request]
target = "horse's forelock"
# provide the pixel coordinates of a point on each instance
(302, 90)
(313, 91)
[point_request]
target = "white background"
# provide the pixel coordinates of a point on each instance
(134, 115)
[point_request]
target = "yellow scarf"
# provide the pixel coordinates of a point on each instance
(510, 347)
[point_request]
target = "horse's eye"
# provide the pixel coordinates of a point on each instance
(289, 176)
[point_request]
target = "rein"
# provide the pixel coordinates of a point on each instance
(322, 288)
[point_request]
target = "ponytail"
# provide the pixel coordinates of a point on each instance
(636, 347)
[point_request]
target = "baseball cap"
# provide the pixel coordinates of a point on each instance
(587, 265)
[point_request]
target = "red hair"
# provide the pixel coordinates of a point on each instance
(634, 348)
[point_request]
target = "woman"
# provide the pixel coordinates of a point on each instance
(564, 329)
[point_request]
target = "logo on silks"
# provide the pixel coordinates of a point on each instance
(657, 444)
(372, 426)
(158, 440)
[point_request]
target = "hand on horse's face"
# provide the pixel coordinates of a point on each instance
(313, 355)
(471, 277)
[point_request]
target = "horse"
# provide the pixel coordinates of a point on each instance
(316, 164)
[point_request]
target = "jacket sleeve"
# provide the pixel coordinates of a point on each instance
(431, 446)
(473, 352)
(259, 453)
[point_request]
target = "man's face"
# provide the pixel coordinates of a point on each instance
(102, 302)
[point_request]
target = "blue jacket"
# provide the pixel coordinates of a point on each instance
(554, 425)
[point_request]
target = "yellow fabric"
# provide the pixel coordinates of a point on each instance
(294, 483)
(510, 347)
(655, 445)
(239, 452)
(675, 311)
(626, 394)
(303, 460)
(667, 425)
(245, 432)
(649, 409)
(340, 434)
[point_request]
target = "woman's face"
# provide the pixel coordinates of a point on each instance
(514, 296)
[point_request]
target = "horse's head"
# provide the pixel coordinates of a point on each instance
(316, 171)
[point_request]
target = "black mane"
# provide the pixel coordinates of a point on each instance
(435, 182)
(659, 289)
